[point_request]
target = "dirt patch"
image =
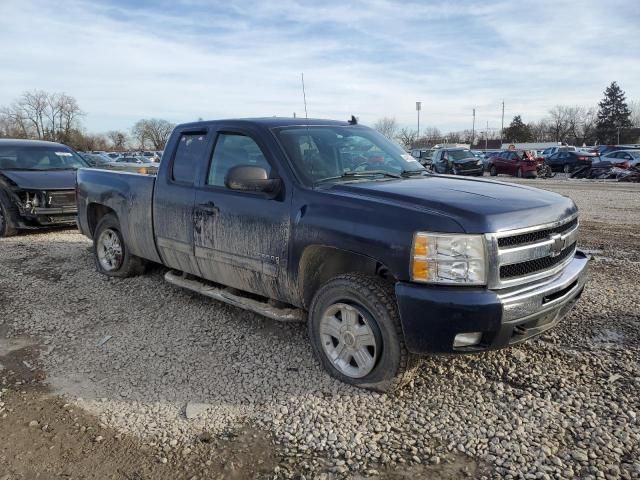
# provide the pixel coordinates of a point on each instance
(44, 436)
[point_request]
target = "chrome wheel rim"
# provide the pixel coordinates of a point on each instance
(109, 250)
(348, 340)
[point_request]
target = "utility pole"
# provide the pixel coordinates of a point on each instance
(473, 128)
(418, 108)
(486, 137)
(502, 124)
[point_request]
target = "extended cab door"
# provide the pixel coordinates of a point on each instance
(174, 197)
(241, 238)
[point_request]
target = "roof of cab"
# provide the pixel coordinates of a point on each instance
(267, 122)
(21, 142)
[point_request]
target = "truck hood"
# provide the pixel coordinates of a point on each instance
(478, 206)
(42, 179)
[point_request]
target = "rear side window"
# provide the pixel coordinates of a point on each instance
(191, 149)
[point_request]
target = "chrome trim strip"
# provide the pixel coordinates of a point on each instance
(544, 226)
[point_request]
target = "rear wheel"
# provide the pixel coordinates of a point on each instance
(493, 171)
(111, 255)
(355, 332)
(519, 173)
(8, 213)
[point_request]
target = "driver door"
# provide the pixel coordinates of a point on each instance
(241, 238)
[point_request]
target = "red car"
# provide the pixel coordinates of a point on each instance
(519, 163)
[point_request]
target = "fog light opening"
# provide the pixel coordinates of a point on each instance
(467, 339)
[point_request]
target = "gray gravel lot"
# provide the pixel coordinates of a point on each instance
(166, 365)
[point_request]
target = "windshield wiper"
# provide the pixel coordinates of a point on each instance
(363, 174)
(411, 173)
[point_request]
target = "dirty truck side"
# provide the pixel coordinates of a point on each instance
(331, 223)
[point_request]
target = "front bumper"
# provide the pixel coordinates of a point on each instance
(432, 316)
(45, 217)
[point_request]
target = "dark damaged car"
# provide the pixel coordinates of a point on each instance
(37, 185)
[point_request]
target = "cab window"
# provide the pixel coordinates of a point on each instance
(233, 150)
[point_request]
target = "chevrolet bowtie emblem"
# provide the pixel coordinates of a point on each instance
(557, 245)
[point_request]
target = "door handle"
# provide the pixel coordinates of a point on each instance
(208, 207)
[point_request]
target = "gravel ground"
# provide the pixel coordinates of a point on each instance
(181, 372)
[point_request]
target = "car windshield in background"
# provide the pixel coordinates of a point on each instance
(459, 154)
(335, 153)
(39, 158)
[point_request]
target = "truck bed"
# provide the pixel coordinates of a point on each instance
(129, 196)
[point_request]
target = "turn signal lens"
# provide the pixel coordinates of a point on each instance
(420, 246)
(420, 269)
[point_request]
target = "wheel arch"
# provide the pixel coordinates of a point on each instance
(321, 263)
(95, 213)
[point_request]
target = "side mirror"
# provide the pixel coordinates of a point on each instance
(249, 178)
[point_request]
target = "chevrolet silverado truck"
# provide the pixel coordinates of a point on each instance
(37, 185)
(330, 223)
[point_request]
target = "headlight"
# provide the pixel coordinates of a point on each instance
(479, 162)
(448, 259)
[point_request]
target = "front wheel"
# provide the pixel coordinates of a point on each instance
(567, 168)
(519, 173)
(111, 255)
(493, 171)
(355, 332)
(7, 214)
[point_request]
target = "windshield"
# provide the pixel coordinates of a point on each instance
(338, 153)
(39, 158)
(459, 154)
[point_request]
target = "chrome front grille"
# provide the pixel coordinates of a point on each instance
(525, 255)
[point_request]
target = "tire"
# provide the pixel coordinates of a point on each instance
(519, 173)
(107, 240)
(370, 303)
(8, 214)
(566, 168)
(493, 171)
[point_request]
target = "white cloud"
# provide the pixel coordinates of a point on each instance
(212, 60)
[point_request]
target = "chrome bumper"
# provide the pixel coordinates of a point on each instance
(549, 300)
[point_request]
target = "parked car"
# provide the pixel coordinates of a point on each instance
(567, 161)
(423, 155)
(626, 158)
(519, 163)
(384, 262)
(547, 152)
(37, 185)
(604, 149)
(97, 160)
(456, 161)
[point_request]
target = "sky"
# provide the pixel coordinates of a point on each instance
(187, 59)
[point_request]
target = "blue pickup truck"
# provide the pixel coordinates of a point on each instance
(330, 223)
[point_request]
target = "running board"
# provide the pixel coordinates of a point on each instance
(224, 294)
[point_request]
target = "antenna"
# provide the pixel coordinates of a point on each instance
(306, 117)
(304, 96)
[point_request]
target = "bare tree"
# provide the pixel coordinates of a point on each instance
(634, 106)
(118, 140)
(387, 126)
(154, 130)
(407, 137)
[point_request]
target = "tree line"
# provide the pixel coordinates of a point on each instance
(57, 117)
(614, 121)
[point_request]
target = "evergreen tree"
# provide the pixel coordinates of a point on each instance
(614, 115)
(517, 131)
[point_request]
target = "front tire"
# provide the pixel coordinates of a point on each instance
(355, 332)
(567, 168)
(111, 254)
(519, 173)
(8, 213)
(493, 171)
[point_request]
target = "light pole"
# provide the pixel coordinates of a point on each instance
(418, 108)
(502, 124)
(473, 128)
